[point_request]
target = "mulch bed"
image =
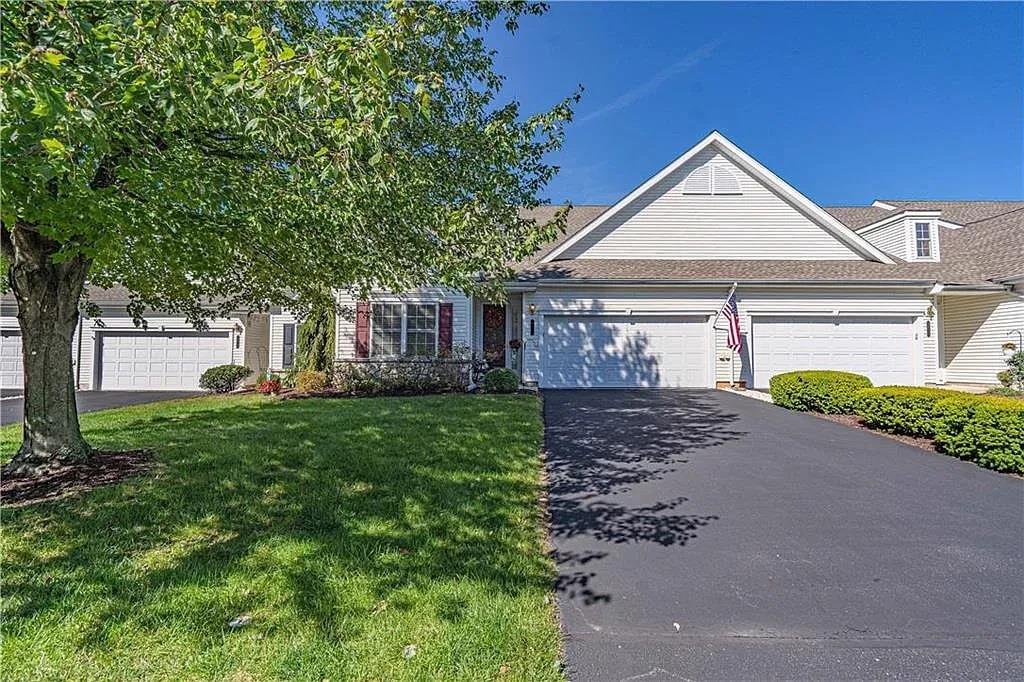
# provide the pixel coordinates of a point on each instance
(104, 467)
(854, 421)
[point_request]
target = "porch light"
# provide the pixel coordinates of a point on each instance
(532, 308)
(930, 312)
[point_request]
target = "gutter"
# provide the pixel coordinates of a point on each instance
(912, 283)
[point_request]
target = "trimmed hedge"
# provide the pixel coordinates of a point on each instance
(985, 429)
(223, 378)
(817, 390)
(907, 410)
(501, 380)
(988, 430)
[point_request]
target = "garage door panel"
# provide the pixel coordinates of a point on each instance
(881, 348)
(613, 351)
(11, 367)
(159, 360)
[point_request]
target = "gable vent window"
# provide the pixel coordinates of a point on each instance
(711, 180)
(923, 239)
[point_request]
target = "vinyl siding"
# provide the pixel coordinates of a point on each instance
(751, 301)
(666, 223)
(257, 344)
(462, 308)
(974, 329)
(891, 238)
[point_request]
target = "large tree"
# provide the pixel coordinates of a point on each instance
(212, 156)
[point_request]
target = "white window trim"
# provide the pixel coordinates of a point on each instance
(405, 327)
(911, 239)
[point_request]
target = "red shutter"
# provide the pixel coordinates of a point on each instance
(362, 329)
(444, 330)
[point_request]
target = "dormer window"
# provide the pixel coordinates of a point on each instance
(711, 179)
(923, 239)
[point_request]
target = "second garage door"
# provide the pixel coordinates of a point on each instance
(880, 348)
(159, 361)
(620, 351)
(11, 369)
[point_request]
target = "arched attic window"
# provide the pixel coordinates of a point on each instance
(711, 180)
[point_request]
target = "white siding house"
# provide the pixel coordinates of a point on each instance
(974, 330)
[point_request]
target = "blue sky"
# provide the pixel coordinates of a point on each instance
(847, 102)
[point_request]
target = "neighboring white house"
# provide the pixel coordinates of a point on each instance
(906, 292)
(111, 353)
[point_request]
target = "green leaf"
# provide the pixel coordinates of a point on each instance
(376, 159)
(53, 146)
(287, 53)
(52, 57)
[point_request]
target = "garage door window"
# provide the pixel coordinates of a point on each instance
(403, 329)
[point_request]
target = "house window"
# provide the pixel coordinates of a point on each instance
(923, 238)
(408, 329)
(288, 338)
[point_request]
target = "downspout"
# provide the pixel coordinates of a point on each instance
(940, 345)
(78, 353)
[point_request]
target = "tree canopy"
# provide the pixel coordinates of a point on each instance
(252, 152)
(217, 156)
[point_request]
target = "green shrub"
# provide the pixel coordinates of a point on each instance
(988, 430)
(411, 376)
(1014, 371)
(817, 390)
(1005, 391)
(501, 380)
(907, 410)
(223, 378)
(310, 381)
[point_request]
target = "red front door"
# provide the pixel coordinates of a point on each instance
(494, 335)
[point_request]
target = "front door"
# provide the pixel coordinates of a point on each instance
(494, 335)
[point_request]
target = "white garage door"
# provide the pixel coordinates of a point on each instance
(879, 347)
(158, 360)
(613, 351)
(11, 368)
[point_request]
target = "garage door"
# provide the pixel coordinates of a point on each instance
(612, 351)
(11, 369)
(158, 361)
(879, 347)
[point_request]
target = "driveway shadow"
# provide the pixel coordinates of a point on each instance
(603, 448)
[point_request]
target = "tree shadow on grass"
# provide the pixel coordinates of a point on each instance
(312, 512)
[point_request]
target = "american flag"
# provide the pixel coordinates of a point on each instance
(732, 315)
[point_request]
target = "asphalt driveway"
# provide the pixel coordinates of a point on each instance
(11, 408)
(704, 535)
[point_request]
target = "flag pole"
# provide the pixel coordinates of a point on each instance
(731, 291)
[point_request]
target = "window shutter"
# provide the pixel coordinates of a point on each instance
(362, 329)
(444, 329)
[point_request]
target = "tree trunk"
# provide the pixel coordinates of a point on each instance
(48, 295)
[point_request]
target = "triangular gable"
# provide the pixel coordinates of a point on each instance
(720, 156)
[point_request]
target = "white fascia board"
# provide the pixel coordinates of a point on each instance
(752, 166)
(888, 220)
(881, 204)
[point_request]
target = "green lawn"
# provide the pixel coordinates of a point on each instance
(348, 529)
